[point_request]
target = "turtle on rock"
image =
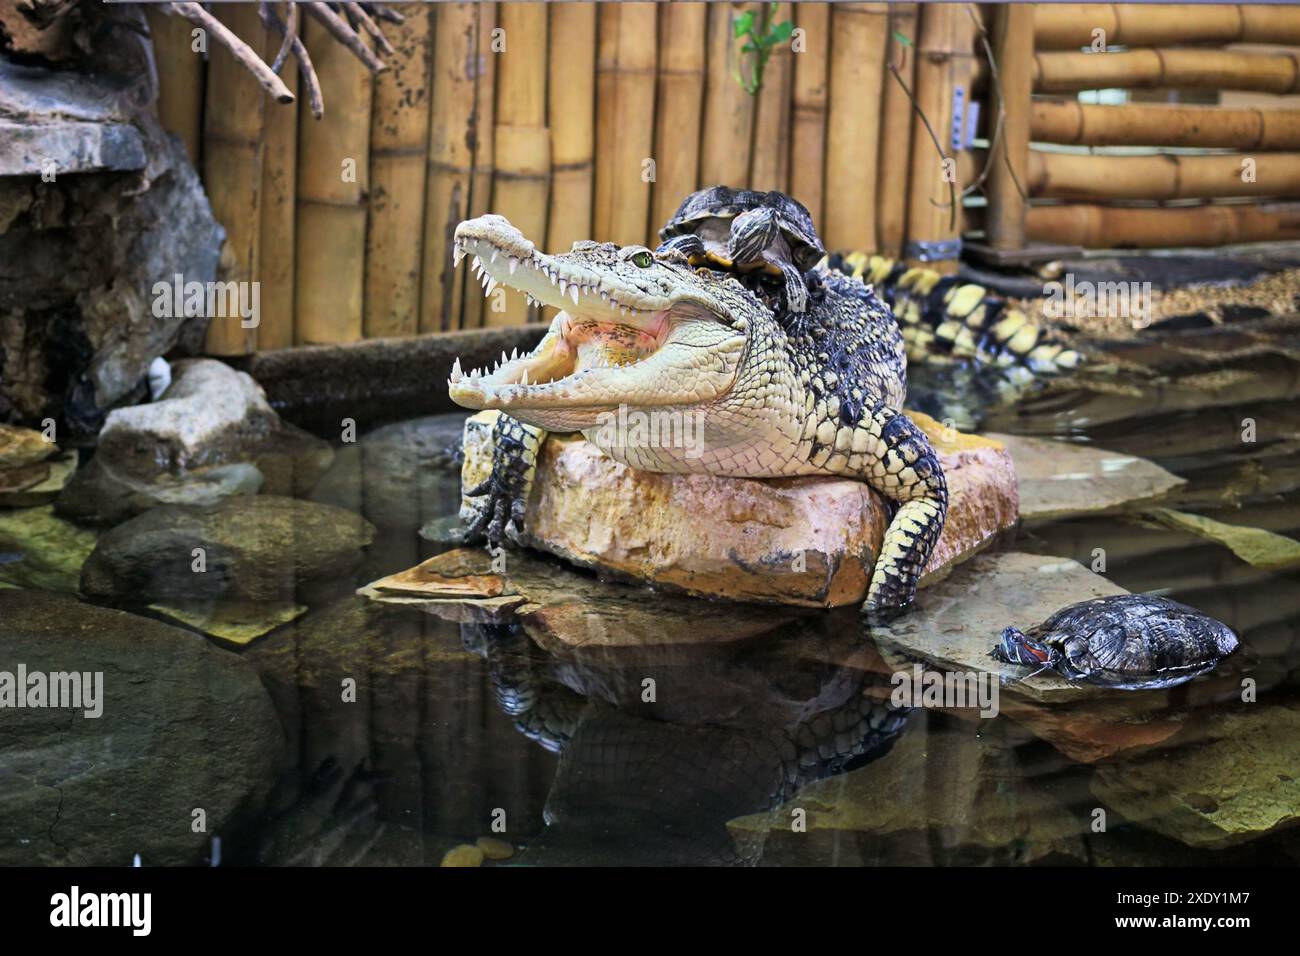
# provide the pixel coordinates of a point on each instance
(746, 230)
(1127, 641)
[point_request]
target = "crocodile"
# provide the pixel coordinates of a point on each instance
(645, 332)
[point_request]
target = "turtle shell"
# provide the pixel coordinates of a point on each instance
(723, 202)
(1134, 640)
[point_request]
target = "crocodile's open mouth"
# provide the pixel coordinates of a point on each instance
(621, 339)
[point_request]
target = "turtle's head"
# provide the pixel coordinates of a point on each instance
(637, 329)
(1016, 647)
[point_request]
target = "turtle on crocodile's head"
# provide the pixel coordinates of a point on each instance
(747, 230)
(1128, 641)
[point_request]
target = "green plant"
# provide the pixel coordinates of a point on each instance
(763, 36)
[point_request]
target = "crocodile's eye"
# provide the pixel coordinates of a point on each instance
(643, 260)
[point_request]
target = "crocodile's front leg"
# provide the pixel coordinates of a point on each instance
(888, 451)
(496, 507)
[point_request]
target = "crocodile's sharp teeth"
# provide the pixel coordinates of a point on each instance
(524, 380)
(494, 256)
(478, 263)
(457, 254)
(514, 264)
(456, 374)
(489, 286)
(514, 354)
(563, 287)
(574, 290)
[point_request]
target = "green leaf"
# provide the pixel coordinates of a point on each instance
(902, 39)
(749, 47)
(744, 23)
(782, 31)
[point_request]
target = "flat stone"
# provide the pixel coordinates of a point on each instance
(955, 625)
(184, 725)
(495, 849)
(1232, 779)
(23, 477)
(262, 548)
(233, 622)
(58, 472)
(1063, 479)
(23, 446)
(803, 541)
(52, 550)
(463, 855)
(563, 609)
(1256, 546)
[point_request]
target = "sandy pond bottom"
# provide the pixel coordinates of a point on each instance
(606, 723)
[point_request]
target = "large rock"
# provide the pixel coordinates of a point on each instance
(184, 726)
(264, 548)
(1061, 479)
(1232, 779)
(805, 541)
(23, 447)
(38, 549)
(211, 435)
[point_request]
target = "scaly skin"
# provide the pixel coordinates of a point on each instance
(648, 332)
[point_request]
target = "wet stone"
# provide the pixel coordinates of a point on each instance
(38, 549)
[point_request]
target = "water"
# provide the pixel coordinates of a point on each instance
(699, 732)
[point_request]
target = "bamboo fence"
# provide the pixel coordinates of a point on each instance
(594, 120)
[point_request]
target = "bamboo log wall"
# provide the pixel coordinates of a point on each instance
(595, 119)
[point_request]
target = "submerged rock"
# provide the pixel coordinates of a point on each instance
(1258, 547)
(263, 548)
(211, 436)
(805, 541)
(48, 550)
(54, 476)
(183, 726)
(1061, 479)
(1233, 779)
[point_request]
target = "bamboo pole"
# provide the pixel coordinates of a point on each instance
(808, 112)
(452, 123)
(626, 62)
(728, 109)
(682, 32)
(1119, 226)
(333, 176)
(483, 133)
(233, 155)
(1167, 176)
(933, 226)
(279, 221)
(523, 146)
(1245, 128)
(399, 143)
(180, 79)
(1167, 67)
(770, 164)
(896, 133)
(1013, 51)
(858, 40)
(571, 98)
(1070, 26)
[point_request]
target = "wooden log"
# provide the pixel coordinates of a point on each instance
(808, 111)
(770, 164)
(483, 133)
(1167, 67)
(180, 79)
(727, 133)
(333, 178)
(1103, 178)
(857, 73)
(679, 107)
(276, 268)
(571, 95)
(233, 155)
(1102, 227)
(625, 91)
(1013, 51)
(1070, 26)
(1076, 123)
(933, 224)
(399, 145)
(522, 166)
(895, 154)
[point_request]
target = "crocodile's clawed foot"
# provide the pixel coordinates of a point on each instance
(498, 514)
(879, 614)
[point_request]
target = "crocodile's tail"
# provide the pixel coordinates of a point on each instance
(945, 319)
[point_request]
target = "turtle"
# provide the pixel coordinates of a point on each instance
(1126, 641)
(747, 230)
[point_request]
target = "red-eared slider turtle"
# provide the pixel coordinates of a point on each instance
(746, 230)
(1129, 641)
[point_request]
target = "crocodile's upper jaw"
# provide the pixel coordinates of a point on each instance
(629, 334)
